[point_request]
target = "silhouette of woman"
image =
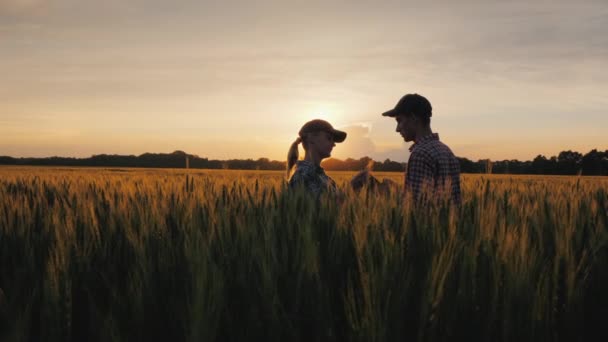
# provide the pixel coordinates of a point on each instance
(318, 138)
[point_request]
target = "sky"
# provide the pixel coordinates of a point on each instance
(237, 79)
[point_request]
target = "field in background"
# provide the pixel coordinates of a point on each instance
(196, 255)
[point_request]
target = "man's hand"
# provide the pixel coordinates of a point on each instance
(360, 179)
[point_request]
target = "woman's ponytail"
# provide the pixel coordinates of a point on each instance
(292, 155)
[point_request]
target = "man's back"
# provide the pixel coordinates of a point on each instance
(432, 164)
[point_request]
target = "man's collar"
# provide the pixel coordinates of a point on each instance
(422, 140)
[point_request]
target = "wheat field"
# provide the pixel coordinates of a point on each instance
(197, 255)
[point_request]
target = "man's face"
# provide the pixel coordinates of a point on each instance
(406, 126)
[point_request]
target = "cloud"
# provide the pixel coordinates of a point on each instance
(491, 63)
(359, 144)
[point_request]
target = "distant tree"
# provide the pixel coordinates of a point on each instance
(389, 166)
(569, 162)
(5, 160)
(595, 163)
(466, 165)
(565, 163)
(487, 165)
(540, 164)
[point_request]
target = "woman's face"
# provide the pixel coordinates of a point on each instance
(322, 142)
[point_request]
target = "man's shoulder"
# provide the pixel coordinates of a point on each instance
(433, 149)
(421, 154)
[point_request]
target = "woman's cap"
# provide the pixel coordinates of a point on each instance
(322, 126)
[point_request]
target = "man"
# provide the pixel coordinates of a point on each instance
(432, 169)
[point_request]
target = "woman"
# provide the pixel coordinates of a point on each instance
(318, 138)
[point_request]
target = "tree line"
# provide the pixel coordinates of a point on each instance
(565, 163)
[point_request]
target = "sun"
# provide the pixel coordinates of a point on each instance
(323, 115)
(317, 114)
(328, 112)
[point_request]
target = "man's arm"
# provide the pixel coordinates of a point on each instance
(360, 179)
(420, 173)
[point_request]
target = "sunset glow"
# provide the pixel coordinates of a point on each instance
(507, 80)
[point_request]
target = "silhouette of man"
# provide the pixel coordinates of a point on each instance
(432, 169)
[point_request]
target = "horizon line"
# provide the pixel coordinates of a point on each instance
(275, 160)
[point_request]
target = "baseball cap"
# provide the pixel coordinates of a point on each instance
(318, 125)
(411, 103)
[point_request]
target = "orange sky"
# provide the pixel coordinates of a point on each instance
(229, 79)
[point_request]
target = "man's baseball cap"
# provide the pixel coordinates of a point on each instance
(411, 103)
(318, 125)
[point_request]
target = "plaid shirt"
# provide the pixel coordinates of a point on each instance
(312, 177)
(432, 166)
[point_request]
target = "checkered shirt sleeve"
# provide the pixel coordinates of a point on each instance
(420, 172)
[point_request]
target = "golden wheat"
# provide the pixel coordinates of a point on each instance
(138, 254)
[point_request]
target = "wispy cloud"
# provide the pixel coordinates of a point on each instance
(242, 66)
(21, 7)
